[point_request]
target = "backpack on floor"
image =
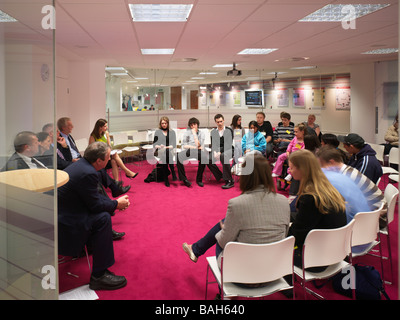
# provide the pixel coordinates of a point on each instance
(369, 284)
(155, 175)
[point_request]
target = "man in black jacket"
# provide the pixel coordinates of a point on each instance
(222, 148)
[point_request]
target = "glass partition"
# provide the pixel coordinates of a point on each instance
(28, 255)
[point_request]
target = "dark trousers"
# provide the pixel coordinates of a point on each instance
(204, 161)
(226, 167)
(96, 234)
(200, 247)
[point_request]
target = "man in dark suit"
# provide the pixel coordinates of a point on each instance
(84, 216)
(26, 145)
(222, 148)
(65, 126)
(64, 156)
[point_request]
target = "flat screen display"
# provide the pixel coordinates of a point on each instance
(253, 98)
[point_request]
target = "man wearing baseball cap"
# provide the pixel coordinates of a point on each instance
(362, 156)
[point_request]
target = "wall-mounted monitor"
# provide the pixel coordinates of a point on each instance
(254, 98)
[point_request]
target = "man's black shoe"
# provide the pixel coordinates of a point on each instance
(108, 281)
(228, 185)
(187, 183)
(117, 235)
(200, 183)
(121, 190)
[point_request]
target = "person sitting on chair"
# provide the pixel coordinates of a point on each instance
(193, 147)
(26, 146)
(253, 141)
(84, 216)
(222, 148)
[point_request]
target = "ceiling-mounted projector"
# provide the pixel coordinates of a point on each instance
(234, 72)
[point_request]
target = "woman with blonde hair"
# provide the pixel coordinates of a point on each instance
(319, 204)
(100, 133)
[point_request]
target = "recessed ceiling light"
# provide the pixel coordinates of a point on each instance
(305, 67)
(158, 51)
(4, 17)
(208, 72)
(222, 65)
(197, 78)
(333, 12)
(382, 51)
(141, 78)
(160, 12)
(257, 51)
(120, 74)
(130, 81)
(276, 72)
(115, 69)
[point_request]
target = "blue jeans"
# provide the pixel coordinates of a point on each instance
(201, 246)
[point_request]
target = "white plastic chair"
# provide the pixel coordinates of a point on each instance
(391, 195)
(121, 138)
(252, 264)
(82, 144)
(366, 234)
(325, 247)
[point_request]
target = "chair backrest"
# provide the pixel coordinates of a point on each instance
(324, 247)
(139, 136)
(82, 144)
(379, 149)
(391, 194)
(394, 156)
(120, 138)
(366, 227)
(257, 263)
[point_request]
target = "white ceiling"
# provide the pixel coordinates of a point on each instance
(215, 32)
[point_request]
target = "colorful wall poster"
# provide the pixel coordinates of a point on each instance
(343, 98)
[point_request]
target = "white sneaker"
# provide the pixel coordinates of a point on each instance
(288, 177)
(274, 175)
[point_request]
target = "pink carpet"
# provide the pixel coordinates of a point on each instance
(158, 221)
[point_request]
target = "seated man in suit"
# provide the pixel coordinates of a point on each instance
(84, 216)
(64, 158)
(26, 145)
(65, 126)
(362, 156)
(193, 147)
(222, 148)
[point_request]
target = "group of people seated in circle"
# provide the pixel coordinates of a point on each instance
(333, 184)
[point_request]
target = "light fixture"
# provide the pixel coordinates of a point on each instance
(305, 67)
(257, 51)
(333, 12)
(115, 69)
(158, 51)
(206, 72)
(141, 78)
(120, 74)
(223, 65)
(197, 78)
(382, 51)
(160, 12)
(4, 17)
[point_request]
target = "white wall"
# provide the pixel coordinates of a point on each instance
(81, 94)
(362, 119)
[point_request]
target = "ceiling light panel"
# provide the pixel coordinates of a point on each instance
(160, 12)
(382, 51)
(158, 51)
(257, 51)
(4, 17)
(333, 12)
